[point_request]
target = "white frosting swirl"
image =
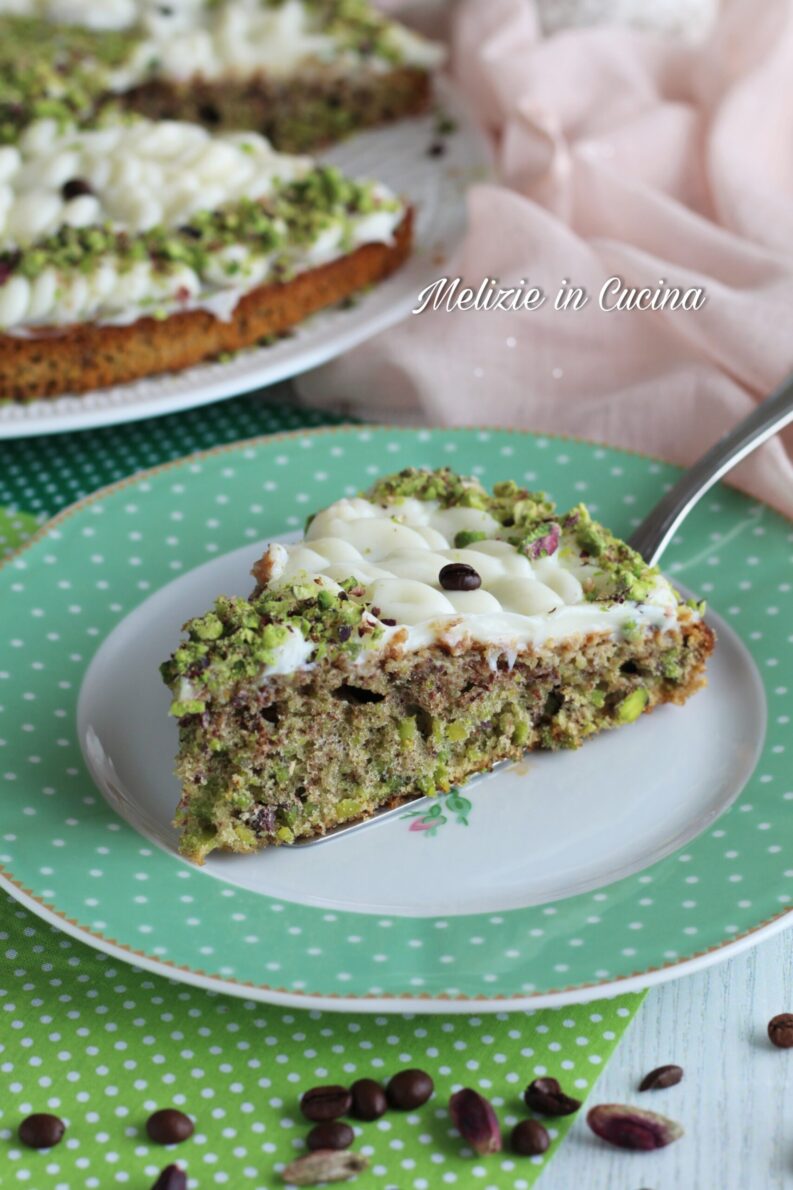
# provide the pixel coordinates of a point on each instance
(397, 552)
(144, 174)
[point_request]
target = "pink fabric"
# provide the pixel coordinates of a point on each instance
(618, 153)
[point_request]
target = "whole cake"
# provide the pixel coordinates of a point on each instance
(302, 72)
(140, 246)
(146, 221)
(418, 634)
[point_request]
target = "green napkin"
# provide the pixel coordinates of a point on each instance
(15, 528)
(103, 1044)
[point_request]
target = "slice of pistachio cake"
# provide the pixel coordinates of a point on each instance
(417, 634)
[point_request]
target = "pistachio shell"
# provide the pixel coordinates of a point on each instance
(632, 1127)
(475, 1120)
(324, 1165)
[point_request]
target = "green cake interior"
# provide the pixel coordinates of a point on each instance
(272, 759)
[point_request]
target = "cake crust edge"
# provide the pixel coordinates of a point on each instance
(89, 356)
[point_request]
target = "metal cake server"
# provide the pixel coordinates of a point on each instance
(658, 528)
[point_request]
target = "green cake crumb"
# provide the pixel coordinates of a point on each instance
(631, 707)
(672, 664)
(406, 729)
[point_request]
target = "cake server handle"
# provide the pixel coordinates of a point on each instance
(657, 529)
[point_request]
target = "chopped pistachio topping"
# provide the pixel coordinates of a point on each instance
(293, 216)
(356, 25)
(444, 485)
(467, 537)
(54, 70)
(538, 540)
(512, 506)
(65, 71)
(239, 638)
(516, 507)
(621, 572)
(528, 518)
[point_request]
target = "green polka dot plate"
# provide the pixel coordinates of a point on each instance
(652, 850)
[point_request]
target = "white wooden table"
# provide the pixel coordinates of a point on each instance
(735, 1101)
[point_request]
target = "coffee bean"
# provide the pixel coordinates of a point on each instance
(409, 1089)
(325, 1103)
(459, 576)
(8, 265)
(171, 1178)
(662, 1076)
(169, 1127)
(331, 1134)
(530, 1138)
(546, 1097)
(41, 1131)
(780, 1030)
(76, 188)
(368, 1099)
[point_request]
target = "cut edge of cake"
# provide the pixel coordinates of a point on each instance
(357, 676)
(300, 114)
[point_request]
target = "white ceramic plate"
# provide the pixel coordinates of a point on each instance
(436, 186)
(623, 802)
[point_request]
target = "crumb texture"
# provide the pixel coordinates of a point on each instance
(304, 754)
